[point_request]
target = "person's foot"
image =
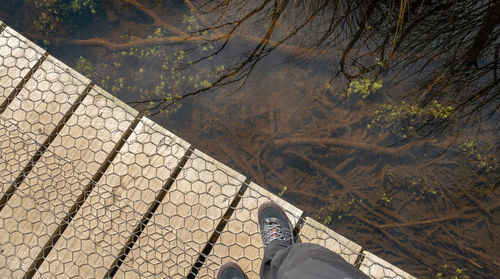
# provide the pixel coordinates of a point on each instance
(231, 270)
(274, 224)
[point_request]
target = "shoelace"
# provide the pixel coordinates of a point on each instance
(275, 231)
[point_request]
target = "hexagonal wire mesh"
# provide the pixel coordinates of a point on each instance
(112, 213)
(376, 267)
(314, 232)
(47, 192)
(17, 57)
(91, 190)
(240, 241)
(184, 221)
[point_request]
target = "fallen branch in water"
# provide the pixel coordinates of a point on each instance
(342, 142)
(179, 36)
(147, 42)
(328, 172)
(403, 246)
(391, 151)
(428, 221)
(183, 38)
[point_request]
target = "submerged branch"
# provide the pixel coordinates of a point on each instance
(342, 142)
(457, 216)
(328, 172)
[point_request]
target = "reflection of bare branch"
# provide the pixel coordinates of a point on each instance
(149, 42)
(342, 142)
(158, 21)
(356, 37)
(485, 34)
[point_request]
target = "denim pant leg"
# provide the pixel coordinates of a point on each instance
(304, 260)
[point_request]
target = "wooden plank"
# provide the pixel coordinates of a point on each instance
(184, 221)
(241, 241)
(378, 268)
(38, 108)
(46, 97)
(117, 204)
(17, 147)
(17, 57)
(33, 214)
(314, 232)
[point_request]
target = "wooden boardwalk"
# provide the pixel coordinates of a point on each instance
(91, 189)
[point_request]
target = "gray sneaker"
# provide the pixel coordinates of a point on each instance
(231, 270)
(274, 224)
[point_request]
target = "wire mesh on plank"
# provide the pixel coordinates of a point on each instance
(184, 221)
(241, 241)
(314, 232)
(17, 148)
(33, 215)
(39, 108)
(376, 267)
(108, 217)
(17, 57)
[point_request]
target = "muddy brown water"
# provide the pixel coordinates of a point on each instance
(393, 144)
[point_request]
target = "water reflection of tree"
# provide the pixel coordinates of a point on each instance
(426, 211)
(453, 45)
(426, 208)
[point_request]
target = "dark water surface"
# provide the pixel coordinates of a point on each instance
(379, 117)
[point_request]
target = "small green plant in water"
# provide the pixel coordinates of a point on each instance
(163, 74)
(283, 190)
(363, 87)
(404, 119)
(327, 220)
(386, 199)
(338, 208)
(452, 273)
(484, 162)
(53, 15)
(440, 111)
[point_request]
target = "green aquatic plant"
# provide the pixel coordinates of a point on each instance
(452, 273)
(484, 162)
(420, 188)
(162, 75)
(363, 87)
(424, 192)
(282, 192)
(439, 111)
(84, 66)
(101, 73)
(404, 119)
(386, 199)
(52, 15)
(337, 209)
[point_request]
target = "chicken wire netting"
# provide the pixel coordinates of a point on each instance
(185, 221)
(17, 57)
(91, 189)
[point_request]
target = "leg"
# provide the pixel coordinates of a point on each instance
(305, 260)
(274, 254)
(284, 259)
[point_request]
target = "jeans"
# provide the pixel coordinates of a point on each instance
(304, 260)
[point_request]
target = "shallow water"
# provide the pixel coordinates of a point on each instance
(399, 155)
